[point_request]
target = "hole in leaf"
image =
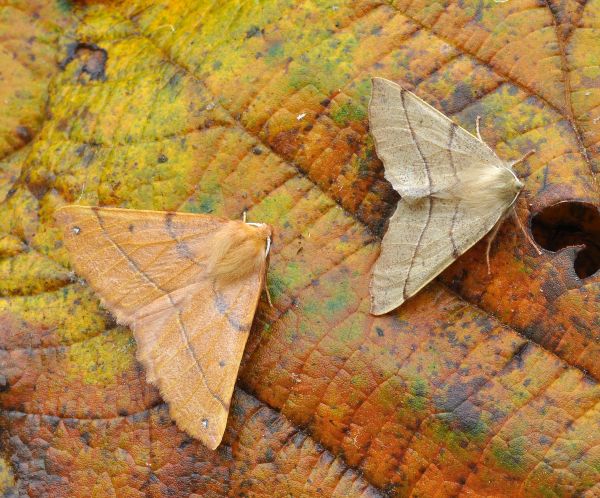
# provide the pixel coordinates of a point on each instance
(567, 224)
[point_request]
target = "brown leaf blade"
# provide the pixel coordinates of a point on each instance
(232, 106)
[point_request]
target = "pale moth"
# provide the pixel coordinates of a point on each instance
(454, 189)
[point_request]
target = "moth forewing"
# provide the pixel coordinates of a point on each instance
(409, 134)
(453, 189)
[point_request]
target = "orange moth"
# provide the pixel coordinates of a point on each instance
(454, 190)
(188, 285)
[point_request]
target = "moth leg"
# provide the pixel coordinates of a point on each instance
(268, 294)
(490, 240)
(518, 222)
(477, 121)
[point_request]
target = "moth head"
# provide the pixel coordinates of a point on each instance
(519, 184)
(499, 186)
(516, 182)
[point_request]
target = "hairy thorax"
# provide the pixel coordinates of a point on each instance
(237, 250)
(484, 188)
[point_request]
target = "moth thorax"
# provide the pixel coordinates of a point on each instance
(238, 249)
(485, 188)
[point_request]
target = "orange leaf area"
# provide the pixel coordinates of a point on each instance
(480, 385)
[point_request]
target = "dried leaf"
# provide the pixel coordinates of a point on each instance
(476, 386)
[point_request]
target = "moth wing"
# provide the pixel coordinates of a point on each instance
(149, 269)
(110, 247)
(191, 344)
(422, 150)
(423, 238)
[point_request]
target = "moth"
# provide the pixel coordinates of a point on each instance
(454, 190)
(188, 285)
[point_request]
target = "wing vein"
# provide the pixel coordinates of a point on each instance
(414, 138)
(417, 247)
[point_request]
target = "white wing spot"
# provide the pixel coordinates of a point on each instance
(76, 230)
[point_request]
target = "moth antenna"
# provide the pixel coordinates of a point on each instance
(523, 157)
(268, 249)
(490, 241)
(477, 121)
(531, 241)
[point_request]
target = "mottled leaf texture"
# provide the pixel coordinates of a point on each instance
(480, 385)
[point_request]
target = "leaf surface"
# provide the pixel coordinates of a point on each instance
(479, 385)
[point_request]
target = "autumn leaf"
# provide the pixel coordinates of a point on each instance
(481, 385)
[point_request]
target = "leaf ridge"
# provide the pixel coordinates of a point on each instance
(260, 409)
(567, 89)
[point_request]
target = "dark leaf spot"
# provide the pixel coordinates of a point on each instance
(252, 32)
(185, 443)
(24, 133)
(91, 57)
(518, 358)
